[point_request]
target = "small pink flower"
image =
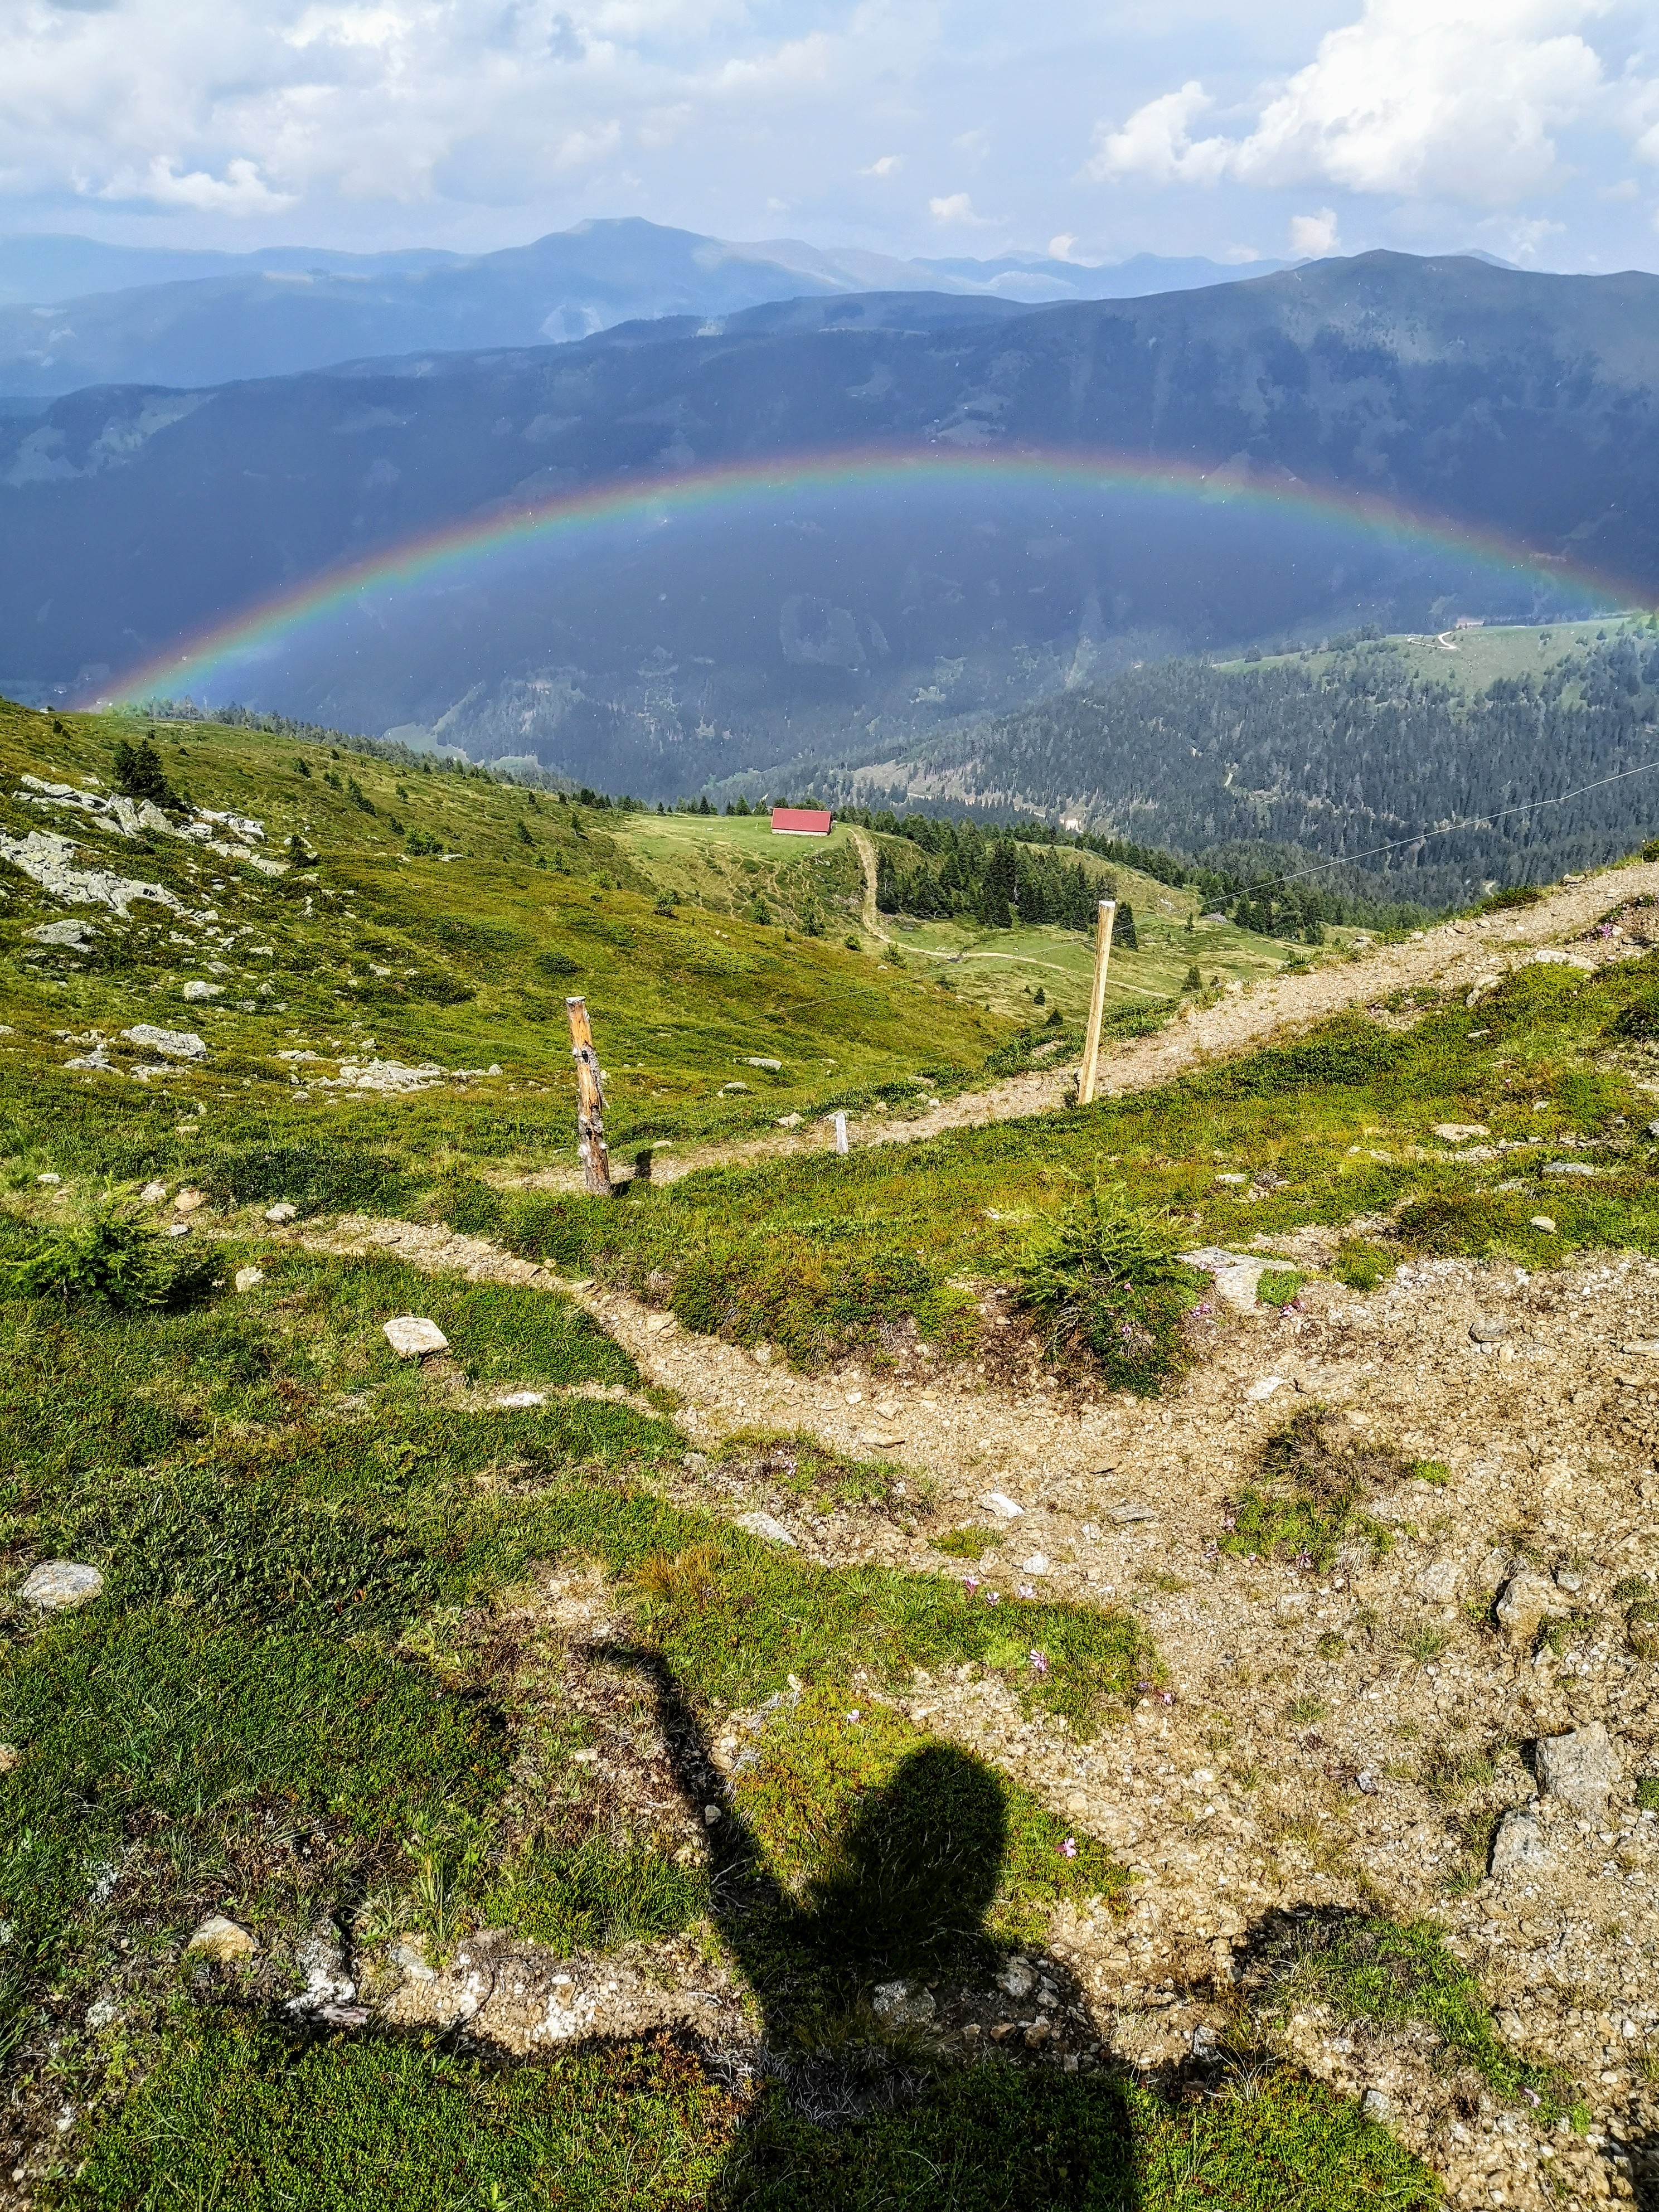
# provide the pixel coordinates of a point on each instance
(1166, 1697)
(970, 1583)
(1204, 1312)
(993, 1597)
(854, 1714)
(1068, 1849)
(1025, 1590)
(1039, 1663)
(1532, 2096)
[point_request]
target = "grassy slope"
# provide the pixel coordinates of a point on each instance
(814, 1252)
(295, 1529)
(465, 963)
(1472, 659)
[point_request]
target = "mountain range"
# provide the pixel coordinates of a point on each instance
(711, 636)
(74, 311)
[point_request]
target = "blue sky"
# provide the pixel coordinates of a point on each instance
(1221, 127)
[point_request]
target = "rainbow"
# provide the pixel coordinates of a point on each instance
(748, 484)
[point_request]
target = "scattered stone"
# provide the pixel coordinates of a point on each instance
(1546, 1222)
(1569, 1578)
(1264, 1389)
(1580, 1768)
(656, 1323)
(1528, 1599)
(1206, 2043)
(171, 1044)
(734, 1086)
(1002, 1505)
(222, 1939)
(188, 1200)
(11, 1757)
(56, 1584)
(177, 1229)
(1461, 1132)
(152, 1194)
(49, 1178)
(1519, 1845)
(1375, 2106)
(1016, 1980)
(1037, 1565)
(896, 2004)
(47, 861)
(1131, 1512)
(328, 1985)
(1489, 1329)
(1368, 1782)
(763, 1525)
(197, 988)
(1568, 1167)
(412, 1337)
(282, 1211)
(515, 1400)
(249, 1278)
(774, 1066)
(789, 1122)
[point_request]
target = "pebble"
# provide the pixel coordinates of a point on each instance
(177, 1229)
(657, 1322)
(1546, 1222)
(56, 1584)
(1528, 1599)
(197, 987)
(222, 1939)
(152, 1194)
(1568, 1167)
(896, 2004)
(10, 1757)
(412, 1337)
(49, 1178)
(187, 1201)
(282, 1211)
(1489, 1329)
(1002, 1505)
(249, 1278)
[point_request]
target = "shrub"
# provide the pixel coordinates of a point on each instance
(139, 773)
(1109, 1283)
(111, 1257)
(1512, 895)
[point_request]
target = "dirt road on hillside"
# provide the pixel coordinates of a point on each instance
(1457, 953)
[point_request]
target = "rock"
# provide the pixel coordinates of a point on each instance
(1258, 1392)
(249, 1278)
(734, 1086)
(513, 1400)
(45, 860)
(49, 1179)
(657, 1323)
(1439, 1582)
(1580, 1768)
(413, 1338)
(1016, 1980)
(1461, 1132)
(1131, 1511)
(1206, 2043)
(1569, 1578)
(1237, 1273)
(10, 1757)
(1568, 1167)
(1375, 2106)
(789, 1122)
(770, 1531)
(1519, 1845)
(1037, 1565)
(1368, 1782)
(282, 1211)
(77, 935)
(187, 1201)
(1528, 1599)
(1489, 1329)
(56, 1584)
(1002, 1505)
(197, 988)
(328, 1984)
(774, 1066)
(177, 1229)
(896, 2004)
(1546, 1222)
(154, 1194)
(219, 1938)
(171, 1044)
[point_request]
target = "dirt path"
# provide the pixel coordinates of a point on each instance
(1318, 1724)
(1457, 953)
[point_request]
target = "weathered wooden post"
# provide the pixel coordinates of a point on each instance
(590, 1101)
(1085, 1089)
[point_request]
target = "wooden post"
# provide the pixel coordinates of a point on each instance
(590, 1101)
(1085, 1089)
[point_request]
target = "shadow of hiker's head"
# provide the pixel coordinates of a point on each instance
(912, 1877)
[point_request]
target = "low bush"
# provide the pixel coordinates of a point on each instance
(1107, 1282)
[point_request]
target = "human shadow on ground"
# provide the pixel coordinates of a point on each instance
(842, 1967)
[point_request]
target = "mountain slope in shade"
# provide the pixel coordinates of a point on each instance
(702, 640)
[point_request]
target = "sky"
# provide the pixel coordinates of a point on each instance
(1528, 127)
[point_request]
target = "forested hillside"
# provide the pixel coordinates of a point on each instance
(1334, 755)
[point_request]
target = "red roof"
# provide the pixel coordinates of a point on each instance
(803, 821)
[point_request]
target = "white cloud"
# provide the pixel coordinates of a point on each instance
(957, 207)
(241, 191)
(1457, 100)
(1315, 235)
(886, 167)
(1060, 248)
